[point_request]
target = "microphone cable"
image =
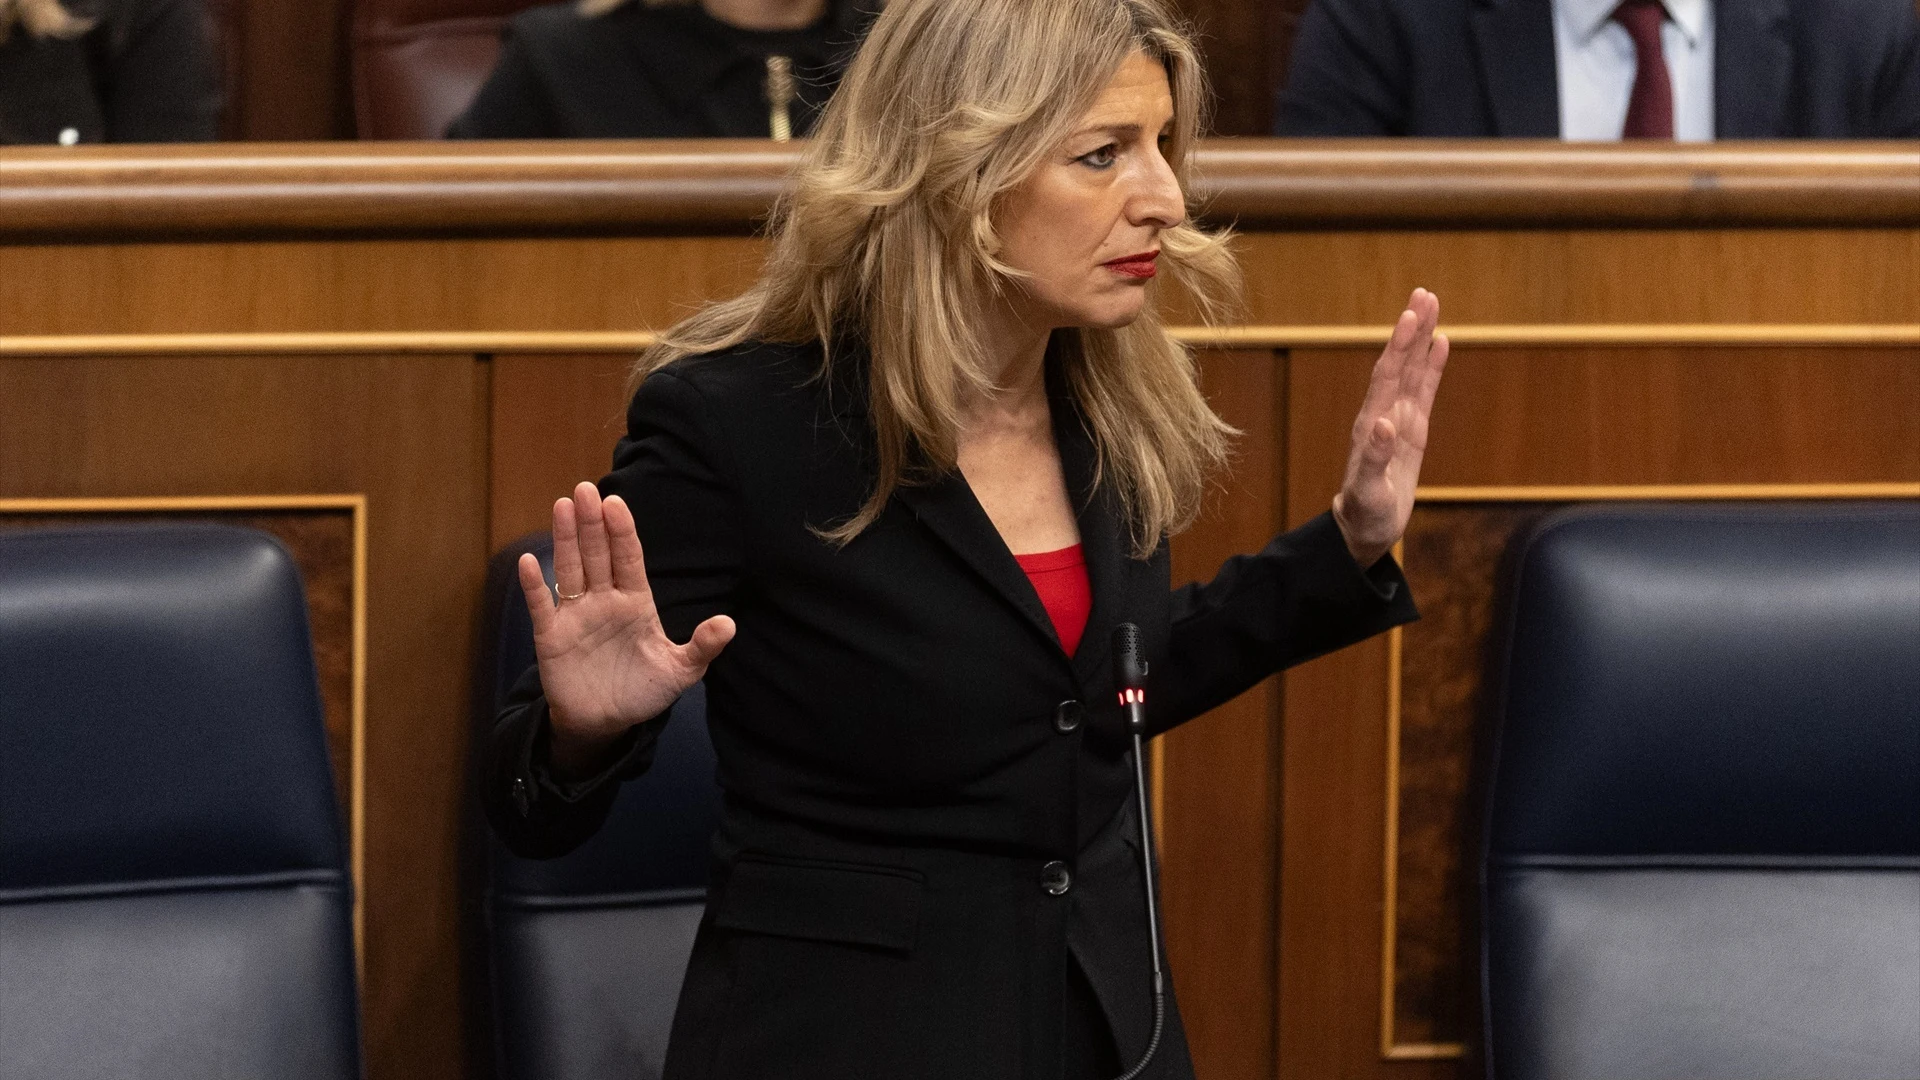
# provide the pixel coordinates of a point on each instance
(1130, 677)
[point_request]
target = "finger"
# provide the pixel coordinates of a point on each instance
(1414, 326)
(1426, 309)
(594, 562)
(566, 549)
(1430, 378)
(709, 638)
(623, 542)
(539, 599)
(1377, 454)
(1427, 306)
(1387, 370)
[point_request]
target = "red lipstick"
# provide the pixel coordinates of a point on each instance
(1134, 266)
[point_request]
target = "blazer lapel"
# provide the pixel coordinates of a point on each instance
(948, 509)
(1752, 63)
(1105, 545)
(1103, 541)
(1514, 40)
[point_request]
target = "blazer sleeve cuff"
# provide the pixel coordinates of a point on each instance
(535, 783)
(1383, 582)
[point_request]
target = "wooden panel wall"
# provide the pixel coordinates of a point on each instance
(1218, 852)
(1482, 277)
(555, 420)
(539, 283)
(1275, 810)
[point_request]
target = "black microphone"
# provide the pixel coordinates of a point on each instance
(1130, 676)
(1130, 681)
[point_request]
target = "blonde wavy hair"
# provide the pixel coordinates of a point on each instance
(886, 236)
(41, 19)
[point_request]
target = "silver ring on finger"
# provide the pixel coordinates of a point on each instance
(568, 596)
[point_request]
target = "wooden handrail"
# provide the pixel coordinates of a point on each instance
(727, 186)
(501, 343)
(1443, 184)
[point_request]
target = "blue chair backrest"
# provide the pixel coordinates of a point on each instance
(1703, 841)
(174, 895)
(587, 951)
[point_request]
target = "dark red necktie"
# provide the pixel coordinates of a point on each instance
(1650, 109)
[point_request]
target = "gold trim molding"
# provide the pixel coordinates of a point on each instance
(356, 506)
(434, 343)
(383, 343)
(1390, 1048)
(1496, 335)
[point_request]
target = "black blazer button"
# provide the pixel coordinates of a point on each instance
(1055, 878)
(522, 798)
(1067, 716)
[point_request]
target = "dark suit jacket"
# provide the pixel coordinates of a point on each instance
(641, 72)
(897, 761)
(144, 73)
(1834, 69)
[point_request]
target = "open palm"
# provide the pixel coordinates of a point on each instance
(1390, 434)
(606, 663)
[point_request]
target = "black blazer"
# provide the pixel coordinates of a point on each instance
(1832, 69)
(902, 743)
(144, 73)
(642, 72)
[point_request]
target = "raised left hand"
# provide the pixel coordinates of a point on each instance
(1390, 434)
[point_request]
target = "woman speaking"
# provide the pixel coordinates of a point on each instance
(895, 499)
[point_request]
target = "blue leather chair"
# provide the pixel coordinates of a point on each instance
(174, 895)
(587, 951)
(1703, 841)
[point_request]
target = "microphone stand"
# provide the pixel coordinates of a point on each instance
(1130, 676)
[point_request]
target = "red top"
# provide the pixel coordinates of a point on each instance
(1060, 577)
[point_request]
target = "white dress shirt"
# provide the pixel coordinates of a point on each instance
(1596, 65)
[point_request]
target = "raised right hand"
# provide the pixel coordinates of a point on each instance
(606, 663)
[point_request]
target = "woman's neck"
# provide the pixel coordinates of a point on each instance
(767, 14)
(1016, 350)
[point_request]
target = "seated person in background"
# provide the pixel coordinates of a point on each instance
(122, 71)
(1692, 70)
(664, 69)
